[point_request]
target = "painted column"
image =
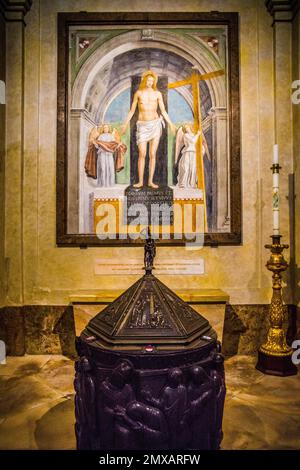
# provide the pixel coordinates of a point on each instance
(81, 125)
(283, 12)
(221, 215)
(14, 13)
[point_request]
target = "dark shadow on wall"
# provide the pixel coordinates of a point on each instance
(12, 330)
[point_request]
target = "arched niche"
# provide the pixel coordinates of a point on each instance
(198, 55)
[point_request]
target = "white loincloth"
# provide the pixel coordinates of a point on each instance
(148, 130)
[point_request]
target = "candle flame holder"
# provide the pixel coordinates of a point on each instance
(275, 356)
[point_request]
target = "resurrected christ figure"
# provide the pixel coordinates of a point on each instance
(149, 124)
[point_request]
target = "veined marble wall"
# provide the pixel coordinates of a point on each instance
(41, 273)
(48, 329)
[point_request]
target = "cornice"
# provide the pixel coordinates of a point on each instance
(15, 10)
(282, 10)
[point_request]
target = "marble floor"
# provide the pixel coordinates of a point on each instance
(37, 410)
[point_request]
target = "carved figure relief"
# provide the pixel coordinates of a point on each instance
(115, 392)
(85, 411)
(186, 413)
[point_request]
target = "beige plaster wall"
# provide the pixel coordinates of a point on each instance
(42, 273)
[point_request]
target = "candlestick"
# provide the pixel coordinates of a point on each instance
(275, 202)
(275, 356)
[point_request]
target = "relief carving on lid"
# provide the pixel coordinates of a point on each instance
(147, 313)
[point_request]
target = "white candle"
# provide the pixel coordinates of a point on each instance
(275, 222)
(275, 203)
(275, 154)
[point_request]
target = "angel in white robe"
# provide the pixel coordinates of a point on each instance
(185, 156)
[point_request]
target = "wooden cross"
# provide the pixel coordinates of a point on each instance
(194, 80)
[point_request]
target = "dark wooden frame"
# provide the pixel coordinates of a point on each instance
(65, 20)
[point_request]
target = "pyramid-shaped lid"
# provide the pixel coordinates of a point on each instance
(149, 313)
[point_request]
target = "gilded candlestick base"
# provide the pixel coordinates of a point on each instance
(274, 356)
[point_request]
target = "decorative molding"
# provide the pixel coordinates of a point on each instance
(13, 10)
(282, 10)
(147, 34)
